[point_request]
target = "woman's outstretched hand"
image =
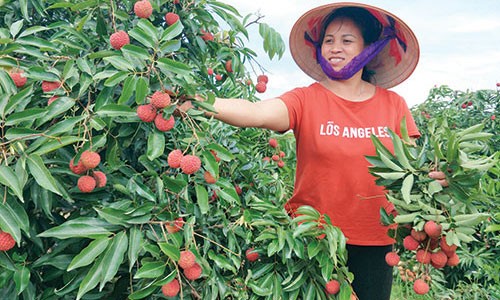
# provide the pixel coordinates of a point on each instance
(440, 177)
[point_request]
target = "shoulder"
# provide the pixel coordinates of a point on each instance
(301, 93)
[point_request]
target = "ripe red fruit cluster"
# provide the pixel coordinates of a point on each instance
(89, 160)
(278, 155)
(261, 85)
(189, 164)
(143, 9)
(153, 111)
(191, 269)
(229, 66)
(18, 77)
(251, 254)
(119, 39)
(7, 242)
(431, 248)
(392, 259)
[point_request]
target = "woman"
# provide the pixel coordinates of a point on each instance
(355, 52)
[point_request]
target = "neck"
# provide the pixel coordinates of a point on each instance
(353, 89)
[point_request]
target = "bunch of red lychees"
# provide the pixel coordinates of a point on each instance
(88, 161)
(153, 111)
(277, 155)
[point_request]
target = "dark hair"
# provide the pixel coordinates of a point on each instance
(369, 26)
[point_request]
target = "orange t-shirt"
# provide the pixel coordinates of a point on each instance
(332, 138)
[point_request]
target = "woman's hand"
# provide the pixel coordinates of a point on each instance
(440, 177)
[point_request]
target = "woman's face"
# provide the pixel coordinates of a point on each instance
(343, 41)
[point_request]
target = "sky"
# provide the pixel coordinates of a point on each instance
(459, 43)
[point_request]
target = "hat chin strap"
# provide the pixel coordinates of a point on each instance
(358, 62)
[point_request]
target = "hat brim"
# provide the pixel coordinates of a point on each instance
(389, 68)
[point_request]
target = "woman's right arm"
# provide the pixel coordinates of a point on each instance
(271, 113)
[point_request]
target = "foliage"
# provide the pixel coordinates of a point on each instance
(459, 139)
(114, 242)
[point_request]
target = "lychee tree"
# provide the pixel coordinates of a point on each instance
(444, 234)
(110, 170)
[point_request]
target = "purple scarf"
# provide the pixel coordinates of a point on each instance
(358, 62)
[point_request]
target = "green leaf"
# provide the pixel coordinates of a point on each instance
(113, 257)
(116, 110)
(202, 198)
(15, 28)
(75, 230)
(89, 254)
(40, 73)
(176, 67)
(172, 31)
(10, 179)
(134, 245)
(170, 250)
(407, 187)
(29, 114)
(53, 144)
(91, 280)
(8, 223)
(119, 62)
(41, 174)
(142, 37)
(141, 90)
(156, 144)
(116, 78)
(21, 279)
(152, 269)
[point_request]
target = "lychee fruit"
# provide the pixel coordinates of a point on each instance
(119, 39)
(392, 259)
(18, 78)
(79, 168)
(260, 87)
(210, 71)
(275, 157)
(218, 77)
(193, 272)
(420, 236)
(262, 78)
(146, 112)
(238, 189)
(100, 178)
(209, 178)
(171, 18)
(445, 247)
(453, 260)
(207, 36)
(7, 242)
(410, 243)
(174, 226)
(86, 184)
(281, 164)
(90, 159)
(48, 86)
(187, 259)
(432, 229)
(420, 287)
(273, 143)
(171, 289)
(332, 287)
(229, 66)
(174, 158)
(163, 124)
(439, 259)
(251, 254)
(423, 256)
(190, 164)
(143, 9)
(160, 99)
(282, 154)
(52, 99)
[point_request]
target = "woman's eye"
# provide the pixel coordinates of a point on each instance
(347, 41)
